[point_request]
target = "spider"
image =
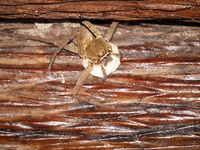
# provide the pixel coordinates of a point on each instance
(100, 57)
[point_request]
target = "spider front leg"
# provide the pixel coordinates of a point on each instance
(64, 44)
(82, 79)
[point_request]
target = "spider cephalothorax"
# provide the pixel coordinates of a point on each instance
(97, 50)
(100, 57)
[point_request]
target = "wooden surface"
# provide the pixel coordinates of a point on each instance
(104, 9)
(151, 102)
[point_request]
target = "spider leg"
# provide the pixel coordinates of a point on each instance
(79, 40)
(92, 29)
(64, 44)
(107, 60)
(48, 41)
(116, 54)
(82, 78)
(104, 71)
(111, 31)
(29, 37)
(56, 43)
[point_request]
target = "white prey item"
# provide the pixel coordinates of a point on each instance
(109, 68)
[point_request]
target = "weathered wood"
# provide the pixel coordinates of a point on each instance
(105, 9)
(151, 101)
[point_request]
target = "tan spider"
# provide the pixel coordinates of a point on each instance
(97, 52)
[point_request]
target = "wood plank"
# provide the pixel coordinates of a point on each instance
(151, 101)
(118, 10)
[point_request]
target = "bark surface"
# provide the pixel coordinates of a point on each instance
(151, 101)
(105, 9)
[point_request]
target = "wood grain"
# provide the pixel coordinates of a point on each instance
(105, 9)
(151, 102)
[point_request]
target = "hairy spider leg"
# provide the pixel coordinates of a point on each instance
(82, 78)
(92, 28)
(111, 31)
